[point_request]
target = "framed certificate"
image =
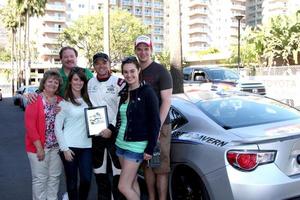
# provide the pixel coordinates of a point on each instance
(96, 120)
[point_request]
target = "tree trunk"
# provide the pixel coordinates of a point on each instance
(20, 70)
(106, 31)
(12, 62)
(175, 46)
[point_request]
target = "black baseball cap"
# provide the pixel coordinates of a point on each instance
(102, 56)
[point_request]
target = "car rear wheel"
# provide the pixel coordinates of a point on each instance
(187, 185)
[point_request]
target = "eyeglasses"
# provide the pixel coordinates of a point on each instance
(77, 69)
(129, 59)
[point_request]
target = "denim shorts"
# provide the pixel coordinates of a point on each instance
(130, 155)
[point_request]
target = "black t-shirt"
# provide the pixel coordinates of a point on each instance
(159, 78)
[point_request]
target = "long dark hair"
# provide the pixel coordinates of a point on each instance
(69, 96)
(133, 60)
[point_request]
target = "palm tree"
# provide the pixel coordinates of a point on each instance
(10, 16)
(175, 45)
(28, 9)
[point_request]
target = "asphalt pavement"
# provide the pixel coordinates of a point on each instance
(15, 174)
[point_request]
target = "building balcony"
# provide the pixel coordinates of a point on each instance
(138, 4)
(198, 2)
(198, 21)
(148, 4)
(148, 22)
(158, 15)
(49, 52)
(52, 30)
(48, 40)
(127, 3)
(158, 23)
(139, 13)
(55, 7)
(158, 5)
(49, 18)
(238, 7)
(158, 32)
(198, 30)
(198, 39)
(160, 41)
(198, 11)
(148, 14)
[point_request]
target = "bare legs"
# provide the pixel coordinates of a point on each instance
(156, 181)
(128, 184)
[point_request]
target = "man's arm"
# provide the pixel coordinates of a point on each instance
(165, 104)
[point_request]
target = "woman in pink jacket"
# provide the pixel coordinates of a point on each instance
(41, 143)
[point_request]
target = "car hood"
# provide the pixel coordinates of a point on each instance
(266, 132)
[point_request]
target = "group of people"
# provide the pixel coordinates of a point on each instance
(137, 108)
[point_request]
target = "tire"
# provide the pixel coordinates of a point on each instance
(187, 185)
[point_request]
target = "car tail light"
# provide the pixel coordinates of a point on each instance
(249, 160)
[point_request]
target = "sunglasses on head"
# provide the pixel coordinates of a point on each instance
(76, 69)
(129, 59)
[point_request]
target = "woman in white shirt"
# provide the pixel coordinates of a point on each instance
(71, 133)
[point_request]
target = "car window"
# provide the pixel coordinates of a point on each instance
(234, 112)
(222, 74)
(31, 89)
(187, 73)
(177, 119)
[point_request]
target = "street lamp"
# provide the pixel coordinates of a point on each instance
(239, 18)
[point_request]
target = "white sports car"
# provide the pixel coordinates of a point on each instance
(233, 145)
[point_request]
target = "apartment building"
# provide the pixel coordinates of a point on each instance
(260, 11)
(254, 12)
(3, 32)
(278, 7)
(210, 24)
(151, 13)
(61, 13)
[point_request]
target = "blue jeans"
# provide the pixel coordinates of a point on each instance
(83, 162)
(130, 155)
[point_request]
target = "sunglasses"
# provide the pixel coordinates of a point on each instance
(129, 59)
(77, 69)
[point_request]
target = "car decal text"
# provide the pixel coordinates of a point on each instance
(213, 141)
(197, 137)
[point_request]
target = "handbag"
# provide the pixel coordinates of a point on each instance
(154, 162)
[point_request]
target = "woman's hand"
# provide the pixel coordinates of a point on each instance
(40, 153)
(69, 155)
(147, 156)
(105, 133)
(31, 97)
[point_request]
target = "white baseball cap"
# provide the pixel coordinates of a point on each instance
(143, 39)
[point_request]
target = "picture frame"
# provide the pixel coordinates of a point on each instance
(96, 120)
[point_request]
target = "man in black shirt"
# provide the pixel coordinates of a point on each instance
(160, 79)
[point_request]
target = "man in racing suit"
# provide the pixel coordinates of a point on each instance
(103, 91)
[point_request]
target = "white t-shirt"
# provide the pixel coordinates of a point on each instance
(70, 126)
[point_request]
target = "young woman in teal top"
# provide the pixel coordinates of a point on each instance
(138, 125)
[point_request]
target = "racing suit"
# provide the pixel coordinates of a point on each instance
(104, 92)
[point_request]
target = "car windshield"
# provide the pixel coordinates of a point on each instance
(222, 74)
(241, 111)
(31, 89)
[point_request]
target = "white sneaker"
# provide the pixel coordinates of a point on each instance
(65, 196)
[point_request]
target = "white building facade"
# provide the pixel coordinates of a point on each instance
(210, 24)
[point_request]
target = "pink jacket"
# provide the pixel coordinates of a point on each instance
(35, 124)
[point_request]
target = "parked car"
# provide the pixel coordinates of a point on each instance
(18, 95)
(233, 145)
(0, 95)
(212, 77)
(27, 89)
